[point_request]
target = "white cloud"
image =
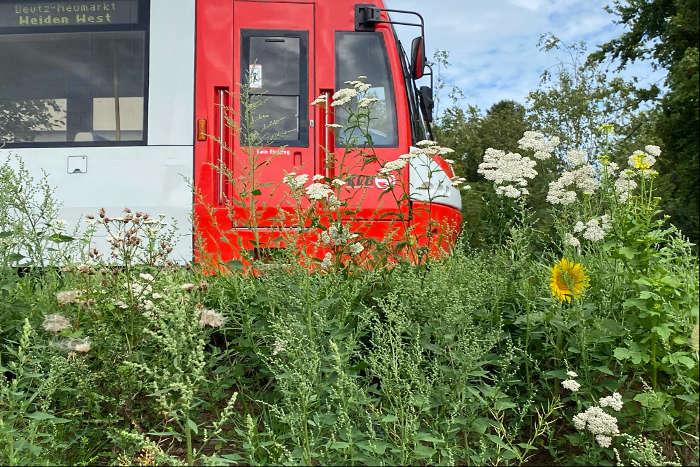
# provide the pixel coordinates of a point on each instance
(493, 44)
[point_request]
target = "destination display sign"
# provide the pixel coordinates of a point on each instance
(27, 14)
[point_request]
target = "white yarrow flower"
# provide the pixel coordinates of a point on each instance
(576, 243)
(537, 142)
(572, 374)
(614, 401)
(652, 150)
(147, 277)
(343, 96)
(55, 323)
(509, 172)
(571, 384)
(318, 191)
(576, 157)
(356, 249)
(603, 441)
(327, 261)
(393, 166)
(210, 318)
(68, 297)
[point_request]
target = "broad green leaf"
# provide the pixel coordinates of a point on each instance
(192, 426)
(627, 252)
(663, 331)
(60, 238)
(390, 418)
(424, 452)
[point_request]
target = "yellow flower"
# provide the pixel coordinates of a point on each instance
(568, 280)
(641, 161)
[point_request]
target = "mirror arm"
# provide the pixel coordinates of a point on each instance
(367, 16)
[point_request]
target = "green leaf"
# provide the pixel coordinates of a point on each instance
(424, 452)
(46, 417)
(650, 400)
(480, 425)
(621, 353)
(6, 234)
(192, 426)
(627, 252)
(339, 445)
(504, 405)
(390, 418)
(256, 192)
(428, 438)
(663, 331)
(670, 281)
(60, 238)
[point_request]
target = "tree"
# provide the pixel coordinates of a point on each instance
(578, 102)
(665, 34)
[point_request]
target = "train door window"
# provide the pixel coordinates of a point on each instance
(78, 73)
(275, 76)
(364, 54)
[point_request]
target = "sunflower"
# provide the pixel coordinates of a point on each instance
(568, 280)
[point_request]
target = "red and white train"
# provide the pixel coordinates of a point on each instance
(133, 103)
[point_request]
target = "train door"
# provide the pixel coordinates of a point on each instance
(273, 58)
(255, 79)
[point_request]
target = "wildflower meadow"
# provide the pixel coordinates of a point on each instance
(572, 341)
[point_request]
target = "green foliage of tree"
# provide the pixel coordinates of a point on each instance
(665, 34)
(470, 132)
(578, 101)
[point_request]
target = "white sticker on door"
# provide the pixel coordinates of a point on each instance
(255, 76)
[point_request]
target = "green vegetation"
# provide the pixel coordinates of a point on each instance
(562, 328)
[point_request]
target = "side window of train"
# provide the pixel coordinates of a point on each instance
(364, 54)
(274, 72)
(80, 79)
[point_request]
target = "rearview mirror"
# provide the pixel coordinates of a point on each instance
(427, 103)
(418, 58)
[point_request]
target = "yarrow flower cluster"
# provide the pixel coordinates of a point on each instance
(337, 235)
(535, 141)
(327, 261)
(75, 345)
(69, 297)
(613, 401)
(624, 185)
(571, 384)
(318, 191)
(356, 248)
(393, 166)
(294, 181)
(595, 229)
(562, 192)
(570, 240)
(210, 318)
(510, 172)
(576, 157)
(55, 323)
(343, 96)
(597, 422)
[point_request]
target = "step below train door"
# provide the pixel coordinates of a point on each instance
(258, 128)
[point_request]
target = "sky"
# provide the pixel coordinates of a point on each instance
(492, 44)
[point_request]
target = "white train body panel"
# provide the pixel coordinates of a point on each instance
(156, 177)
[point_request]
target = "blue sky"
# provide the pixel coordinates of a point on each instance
(493, 43)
